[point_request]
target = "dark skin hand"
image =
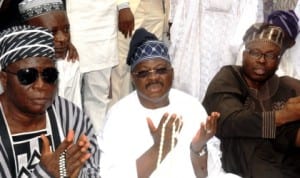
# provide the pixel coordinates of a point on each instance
(72, 55)
(206, 131)
(126, 22)
(156, 132)
(146, 164)
(289, 113)
(76, 155)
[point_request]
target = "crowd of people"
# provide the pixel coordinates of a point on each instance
(137, 88)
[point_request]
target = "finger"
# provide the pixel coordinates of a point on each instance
(72, 166)
(82, 140)
(294, 100)
(81, 147)
(179, 123)
(202, 129)
(67, 142)
(75, 173)
(74, 155)
(208, 124)
(131, 29)
(151, 126)
(46, 145)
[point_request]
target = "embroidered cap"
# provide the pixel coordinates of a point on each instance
(264, 32)
(20, 42)
(144, 46)
(31, 8)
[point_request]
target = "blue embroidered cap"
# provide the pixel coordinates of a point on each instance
(144, 46)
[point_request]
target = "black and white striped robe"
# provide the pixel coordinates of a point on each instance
(63, 115)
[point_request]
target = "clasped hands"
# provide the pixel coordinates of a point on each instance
(167, 123)
(76, 155)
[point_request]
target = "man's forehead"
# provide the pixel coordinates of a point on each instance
(153, 62)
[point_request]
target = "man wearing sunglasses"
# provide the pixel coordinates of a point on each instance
(42, 134)
(259, 126)
(51, 14)
(156, 131)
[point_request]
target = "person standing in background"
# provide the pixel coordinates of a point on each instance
(151, 15)
(9, 14)
(288, 21)
(94, 27)
(204, 33)
(51, 14)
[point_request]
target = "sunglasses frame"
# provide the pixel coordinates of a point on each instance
(158, 71)
(24, 74)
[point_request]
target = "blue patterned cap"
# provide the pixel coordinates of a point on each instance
(20, 42)
(144, 46)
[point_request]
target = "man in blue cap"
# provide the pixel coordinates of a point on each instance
(150, 133)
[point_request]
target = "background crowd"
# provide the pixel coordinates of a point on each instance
(129, 66)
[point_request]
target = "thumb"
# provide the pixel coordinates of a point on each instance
(151, 126)
(45, 145)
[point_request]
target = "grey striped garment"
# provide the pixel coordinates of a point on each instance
(69, 116)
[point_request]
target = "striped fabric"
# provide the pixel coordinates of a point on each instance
(68, 116)
(19, 42)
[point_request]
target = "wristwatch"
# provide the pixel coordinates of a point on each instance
(201, 153)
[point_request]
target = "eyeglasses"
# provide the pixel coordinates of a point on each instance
(29, 75)
(256, 54)
(146, 73)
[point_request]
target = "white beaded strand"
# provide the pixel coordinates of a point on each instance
(62, 165)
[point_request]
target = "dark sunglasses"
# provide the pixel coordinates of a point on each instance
(29, 75)
(146, 73)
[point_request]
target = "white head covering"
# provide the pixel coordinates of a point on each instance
(32, 8)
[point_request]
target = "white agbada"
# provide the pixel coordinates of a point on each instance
(126, 137)
(93, 27)
(201, 39)
(69, 79)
